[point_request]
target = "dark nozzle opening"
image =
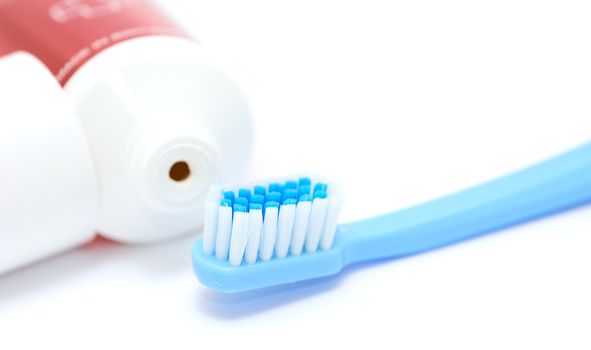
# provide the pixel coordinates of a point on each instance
(179, 171)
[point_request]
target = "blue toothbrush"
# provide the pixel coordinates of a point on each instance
(254, 239)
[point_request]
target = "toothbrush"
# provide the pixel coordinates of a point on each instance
(285, 233)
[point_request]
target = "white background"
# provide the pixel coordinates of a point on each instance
(402, 101)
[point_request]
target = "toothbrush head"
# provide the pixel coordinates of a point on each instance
(268, 234)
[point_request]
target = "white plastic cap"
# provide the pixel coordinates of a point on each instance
(163, 122)
(48, 187)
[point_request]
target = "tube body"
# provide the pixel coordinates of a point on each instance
(162, 119)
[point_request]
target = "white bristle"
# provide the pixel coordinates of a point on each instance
(270, 230)
(284, 229)
(239, 238)
(254, 236)
(330, 224)
(269, 233)
(302, 217)
(222, 242)
(210, 226)
(210, 222)
(316, 224)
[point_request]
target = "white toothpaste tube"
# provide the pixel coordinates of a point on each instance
(160, 118)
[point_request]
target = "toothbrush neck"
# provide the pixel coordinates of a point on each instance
(552, 186)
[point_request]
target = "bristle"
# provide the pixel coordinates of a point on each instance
(260, 190)
(302, 216)
(241, 201)
(320, 187)
(230, 195)
(320, 194)
(254, 233)
(239, 208)
(275, 187)
(304, 181)
(245, 193)
(269, 235)
(303, 189)
(305, 198)
(271, 204)
(258, 199)
(289, 193)
(275, 221)
(316, 223)
(291, 185)
(255, 206)
(274, 197)
(285, 227)
(210, 224)
(224, 231)
(239, 236)
(330, 224)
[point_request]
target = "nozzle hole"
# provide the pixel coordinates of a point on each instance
(179, 171)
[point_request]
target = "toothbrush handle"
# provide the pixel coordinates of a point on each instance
(554, 185)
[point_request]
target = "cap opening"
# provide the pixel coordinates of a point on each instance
(179, 171)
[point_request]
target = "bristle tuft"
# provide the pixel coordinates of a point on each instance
(289, 193)
(229, 195)
(271, 204)
(260, 223)
(303, 189)
(275, 187)
(240, 208)
(305, 198)
(320, 194)
(274, 196)
(290, 201)
(304, 181)
(244, 193)
(260, 190)
(241, 201)
(258, 199)
(256, 206)
(320, 187)
(291, 185)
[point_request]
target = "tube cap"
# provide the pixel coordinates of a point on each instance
(163, 121)
(48, 186)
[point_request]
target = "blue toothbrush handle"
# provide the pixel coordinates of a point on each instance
(554, 185)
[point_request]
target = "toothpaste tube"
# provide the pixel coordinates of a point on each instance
(162, 120)
(48, 188)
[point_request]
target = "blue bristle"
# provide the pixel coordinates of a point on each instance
(274, 197)
(241, 201)
(289, 193)
(240, 208)
(320, 194)
(271, 204)
(256, 206)
(291, 185)
(258, 198)
(305, 198)
(304, 189)
(305, 181)
(230, 195)
(260, 190)
(320, 187)
(275, 187)
(226, 203)
(245, 193)
(289, 201)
